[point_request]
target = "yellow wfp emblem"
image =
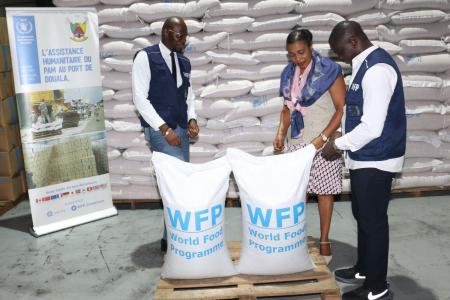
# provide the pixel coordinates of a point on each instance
(79, 31)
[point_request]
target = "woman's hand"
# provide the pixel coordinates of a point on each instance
(318, 142)
(278, 143)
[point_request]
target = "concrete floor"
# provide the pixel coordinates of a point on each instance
(119, 258)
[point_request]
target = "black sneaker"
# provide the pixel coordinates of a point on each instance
(163, 245)
(349, 275)
(363, 293)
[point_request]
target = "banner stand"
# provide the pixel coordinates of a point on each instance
(56, 67)
(43, 230)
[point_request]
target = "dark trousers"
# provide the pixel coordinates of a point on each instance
(371, 189)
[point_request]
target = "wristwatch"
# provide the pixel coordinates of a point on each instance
(324, 137)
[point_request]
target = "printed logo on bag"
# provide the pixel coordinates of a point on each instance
(285, 224)
(78, 29)
(202, 227)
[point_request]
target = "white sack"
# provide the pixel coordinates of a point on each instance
(70, 3)
(222, 56)
(132, 124)
(255, 107)
(120, 63)
(206, 73)
(411, 4)
(141, 153)
(107, 94)
(266, 87)
(421, 46)
(108, 14)
(202, 150)
(320, 19)
(114, 47)
(117, 110)
(227, 24)
(371, 17)
(271, 55)
(194, 206)
(204, 41)
(417, 17)
(254, 40)
(123, 140)
(423, 63)
(275, 22)
(443, 168)
(210, 136)
(125, 95)
(134, 191)
(426, 136)
(193, 26)
(444, 134)
(395, 33)
(227, 89)
(116, 80)
(427, 122)
(213, 108)
(253, 73)
(420, 165)
(221, 124)
(113, 153)
(273, 192)
(342, 7)
(129, 167)
(198, 58)
(422, 180)
(421, 149)
(250, 134)
(122, 30)
(156, 11)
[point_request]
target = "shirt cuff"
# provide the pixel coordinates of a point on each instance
(340, 143)
(157, 123)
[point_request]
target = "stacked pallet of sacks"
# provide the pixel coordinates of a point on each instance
(237, 52)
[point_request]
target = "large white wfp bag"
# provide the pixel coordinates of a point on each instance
(273, 191)
(194, 205)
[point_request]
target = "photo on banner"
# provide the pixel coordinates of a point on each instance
(56, 66)
(60, 113)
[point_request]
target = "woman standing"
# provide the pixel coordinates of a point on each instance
(314, 92)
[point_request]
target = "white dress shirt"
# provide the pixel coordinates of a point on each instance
(141, 77)
(378, 86)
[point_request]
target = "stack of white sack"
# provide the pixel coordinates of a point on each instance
(237, 52)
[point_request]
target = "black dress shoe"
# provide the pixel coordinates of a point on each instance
(363, 293)
(163, 245)
(349, 275)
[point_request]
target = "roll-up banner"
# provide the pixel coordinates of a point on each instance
(56, 65)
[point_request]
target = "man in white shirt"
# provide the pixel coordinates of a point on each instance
(162, 93)
(374, 140)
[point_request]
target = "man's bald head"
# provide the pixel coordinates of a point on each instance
(174, 34)
(347, 39)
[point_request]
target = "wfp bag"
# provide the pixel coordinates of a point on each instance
(194, 198)
(273, 191)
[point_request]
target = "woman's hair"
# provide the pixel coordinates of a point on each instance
(300, 34)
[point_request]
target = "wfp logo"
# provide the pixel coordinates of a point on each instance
(354, 87)
(23, 26)
(78, 30)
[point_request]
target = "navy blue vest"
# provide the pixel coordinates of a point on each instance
(168, 100)
(392, 142)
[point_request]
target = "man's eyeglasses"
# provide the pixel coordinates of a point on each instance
(179, 36)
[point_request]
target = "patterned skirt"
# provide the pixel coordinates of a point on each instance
(326, 176)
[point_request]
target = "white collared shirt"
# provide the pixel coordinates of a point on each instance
(378, 85)
(141, 77)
